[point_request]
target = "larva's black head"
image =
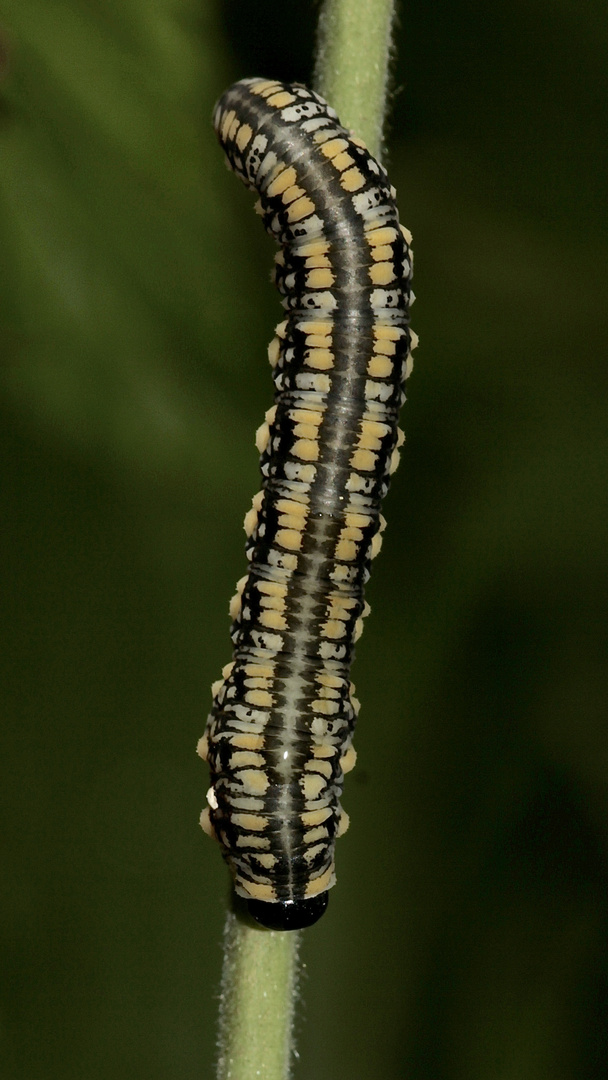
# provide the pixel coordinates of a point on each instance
(289, 914)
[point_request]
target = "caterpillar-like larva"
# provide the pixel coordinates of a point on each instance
(278, 739)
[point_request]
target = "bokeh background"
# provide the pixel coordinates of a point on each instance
(467, 937)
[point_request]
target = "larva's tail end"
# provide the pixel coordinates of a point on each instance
(289, 914)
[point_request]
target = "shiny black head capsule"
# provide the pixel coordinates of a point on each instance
(288, 914)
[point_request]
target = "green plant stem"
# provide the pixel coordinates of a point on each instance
(259, 981)
(353, 54)
(257, 1002)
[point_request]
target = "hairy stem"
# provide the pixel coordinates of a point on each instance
(259, 981)
(353, 54)
(257, 1002)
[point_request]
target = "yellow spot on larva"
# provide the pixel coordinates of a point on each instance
(234, 127)
(385, 235)
(320, 359)
(382, 251)
(340, 573)
(312, 785)
(400, 437)
(363, 460)
(276, 603)
(289, 506)
(247, 741)
(290, 539)
(352, 180)
(260, 697)
(357, 521)
(394, 461)
(284, 180)
(274, 351)
(414, 340)
(217, 685)
(343, 823)
(385, 348)
(240, 758)
(307, 474)
(318, 341)
(333, 147)
(312, 835)
(321, 278)
(315, 817)
(205, 823)
(382, 273)
(337, 602)
(292, 194)
(306, 416)
(358, 629)
(227, 120)
(342, 161)
(305, 449)
(347, 534)
(254, 781)
(348, 760)
(273, 620)
(250, 822)
(406, 233)
(382, 520)
(387, 333)
(253, 889)
(318, 260)
(379, 367)
(299, 209)
(313, 247)
(375, 546)
(244, 136)
(280, 101)
(329, 680)
(281, 329)
(315, 326)
(262, 437)
(228, 668)
(234, 610)
(240, 585)
(249, 841)
(274, 588)
(346, 551)
(333, 629)
(257, 684)
(266, 86)
(292, 521)
(256, 502)
(202, 747)
(267, 859)
(368, 440)
(250, 522)
(322, 883)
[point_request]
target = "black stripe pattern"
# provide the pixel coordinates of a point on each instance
(278, 739)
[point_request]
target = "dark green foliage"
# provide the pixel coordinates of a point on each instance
(467, 937)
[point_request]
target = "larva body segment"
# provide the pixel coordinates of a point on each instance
(278, 738)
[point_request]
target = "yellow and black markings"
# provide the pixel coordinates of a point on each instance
(279, 736)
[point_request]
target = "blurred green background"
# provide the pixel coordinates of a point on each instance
(467, 937)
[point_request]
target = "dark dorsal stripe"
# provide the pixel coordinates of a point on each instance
(278, 738)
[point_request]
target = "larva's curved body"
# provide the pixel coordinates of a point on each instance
(278, 739)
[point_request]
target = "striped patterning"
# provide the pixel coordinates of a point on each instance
(279, 736)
